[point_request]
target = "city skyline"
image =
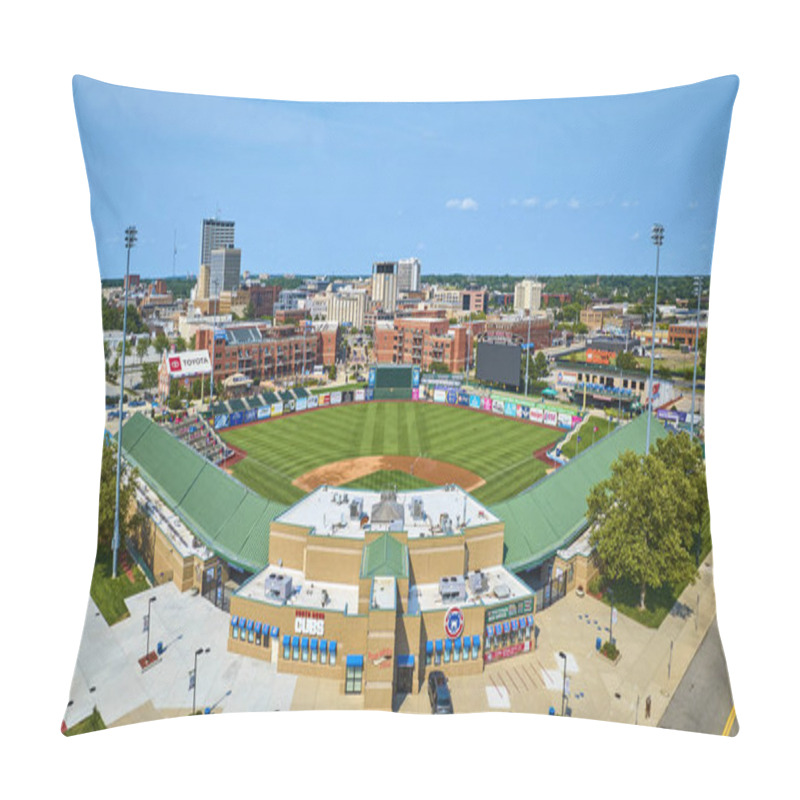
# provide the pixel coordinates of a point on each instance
(330, 188)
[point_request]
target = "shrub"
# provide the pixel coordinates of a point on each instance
(609, 650)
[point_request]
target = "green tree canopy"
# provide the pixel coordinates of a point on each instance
(108, 479)
(626, 360)
(647, 515)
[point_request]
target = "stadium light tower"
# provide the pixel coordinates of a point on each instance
(214, 286)
(698, 287)
(130, 241)
(657, 235)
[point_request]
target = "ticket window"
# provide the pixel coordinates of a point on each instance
(287, 647)
(437, 656)
(466, 645)
(448, 645)
(235, 629)
(314, 650)
(295, 648)
(323, 651)
(476, 647)
(266, 636)
(258, 636)
(332, 654)
(428, 653)
(251, 635)
(304, 648)
(457, 650)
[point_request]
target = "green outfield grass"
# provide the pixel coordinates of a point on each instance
(588, 436)
(388, 479)
(499, 450)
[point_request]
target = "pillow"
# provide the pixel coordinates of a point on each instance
(410, 400)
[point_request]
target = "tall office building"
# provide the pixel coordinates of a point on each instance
(216, 233)
(224, 270)
(528, 296)
(408, 272)
(384, 284)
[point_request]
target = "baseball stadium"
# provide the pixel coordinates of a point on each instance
(369, 536)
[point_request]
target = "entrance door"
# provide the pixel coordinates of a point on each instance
(405, 680)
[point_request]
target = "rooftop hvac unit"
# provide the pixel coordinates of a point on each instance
(453, 589)
(356, 507)
(477, 582)
(501, 591)
(416, 508)
(278, 587)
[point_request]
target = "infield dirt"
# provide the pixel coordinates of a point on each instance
(350, 469)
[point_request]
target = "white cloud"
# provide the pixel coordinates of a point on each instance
(574, 204)
(529, 202)
(551, 203)
(635, 236)
(467, 204)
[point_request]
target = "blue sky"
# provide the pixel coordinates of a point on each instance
(538, 187)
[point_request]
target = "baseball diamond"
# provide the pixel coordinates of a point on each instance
(498, 451)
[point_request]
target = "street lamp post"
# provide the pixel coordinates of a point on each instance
(197, 652)
(528, 353)
(611, 620)
(564, 685)
(130, 241)
(698, 287)
(214, 285)
(149, 603)
(657, 235)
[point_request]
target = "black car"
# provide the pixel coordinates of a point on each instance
(439, 693)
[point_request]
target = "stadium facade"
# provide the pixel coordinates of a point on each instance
(372, 590)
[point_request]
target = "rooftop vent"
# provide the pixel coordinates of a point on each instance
(452, 588)
(278, 587)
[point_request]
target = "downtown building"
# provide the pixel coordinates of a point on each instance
(264, 353)
(528, 296)
(408, 274)
(384, 285)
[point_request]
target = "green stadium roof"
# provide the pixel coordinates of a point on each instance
(551, 513)
(385, 557)
(229, 518)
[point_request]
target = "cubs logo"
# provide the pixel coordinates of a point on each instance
(454, 622)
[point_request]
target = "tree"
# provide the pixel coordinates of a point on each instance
(180, 345)
(701, 352)
(626, 360)
(161, 343)
(149, 375)
(332, 372)
(643, 517)
(108, 482)
(438, 367)
(541, 369)
(142, 346)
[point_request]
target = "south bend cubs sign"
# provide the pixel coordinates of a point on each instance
(454, 622)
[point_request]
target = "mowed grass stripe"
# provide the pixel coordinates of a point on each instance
(499, 450)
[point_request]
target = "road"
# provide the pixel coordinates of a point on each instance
(703, 701)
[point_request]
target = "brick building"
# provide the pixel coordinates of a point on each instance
(515, 330)
(261, 352)
(424, 340)
(263, 300)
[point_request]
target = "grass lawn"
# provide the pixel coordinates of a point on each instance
(586, 433)
(110, 593)
(658, 602)
(388, 479)
(498, 449)
(94, 722)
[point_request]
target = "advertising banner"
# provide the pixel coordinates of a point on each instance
(486, 403)
(537, 415)
(370, 394)
(277, 409)
(474, 401)
(347, 397)
(191, 362)
(565, 421)
(463, 398)
(576, 420)
(567, 378)
(263, 412)
(509, 610)
(324, 399)
(313, 401)
(670, 415)
(510, 409)
(523, 412)
(414, 377)
(439, 395)
(250, 415)
(452, 397)
(302, 403)
(371, 378)
(415, 394)
(360, 395)
(507, 652)
(288, 406)
(550, 417)
(220, 422)
(498, 407)
(336, 398)
(236, 418)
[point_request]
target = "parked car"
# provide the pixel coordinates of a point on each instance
(439, 693)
